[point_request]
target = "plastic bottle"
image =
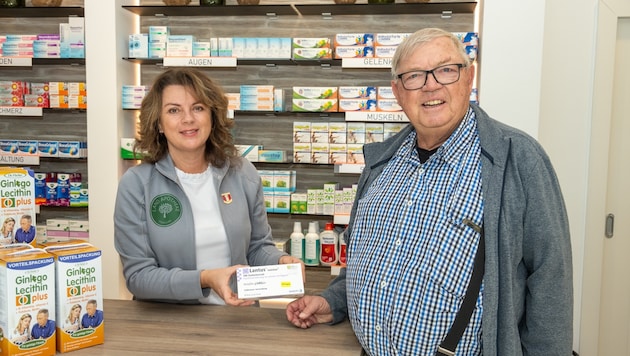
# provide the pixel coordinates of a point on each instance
(343, 248)
(297, 241)
(328, 239)
(311, 245)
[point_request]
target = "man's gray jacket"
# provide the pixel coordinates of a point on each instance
(528, 288)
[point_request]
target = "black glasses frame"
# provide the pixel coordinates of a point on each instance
(432, 72)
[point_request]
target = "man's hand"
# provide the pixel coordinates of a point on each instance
(308, 311)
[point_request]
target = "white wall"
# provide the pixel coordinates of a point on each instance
(106, 72)
(537, 65)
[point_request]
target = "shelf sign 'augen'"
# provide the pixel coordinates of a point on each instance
(199, 61)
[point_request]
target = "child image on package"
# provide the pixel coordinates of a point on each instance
(27, 302)
(17, 206)
(79, 294)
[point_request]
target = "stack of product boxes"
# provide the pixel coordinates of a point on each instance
(331, 199)
(256, 98)
(331, 142)
(471, 43)
(60, 189)
(126, 149)
(261, 47)
(38, 95)
(139, 45)
(357, 98)
(179, 45)
(158, 37)
(52, 298)
(385, 44)
(68, 95)
(17, 205)
(72, 38)
(315, 99)
(28, 302)
(59, 95)
(132, 96)
(61, 230)
(311, 48)
(68, 43)
(342, 45)
(39, 285)
(47, 46)
(62, 149)
(12, 92)
(18, 45)
(277, 188)
(79, 294)
(385, 100)
(354, 45)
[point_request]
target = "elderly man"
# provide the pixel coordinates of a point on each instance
(455, 182)
(45, 327)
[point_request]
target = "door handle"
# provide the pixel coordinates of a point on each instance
(610, 225)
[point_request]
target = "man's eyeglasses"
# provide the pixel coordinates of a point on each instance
(416, 79)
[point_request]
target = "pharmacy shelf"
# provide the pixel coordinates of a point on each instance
(444, 8)
(364, 63)
(195, 10)
(433, 7)
(61, 11)
(59, 61)
(271, 62)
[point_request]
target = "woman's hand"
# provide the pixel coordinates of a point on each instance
(219, 281)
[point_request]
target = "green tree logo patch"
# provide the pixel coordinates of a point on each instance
(165, 210)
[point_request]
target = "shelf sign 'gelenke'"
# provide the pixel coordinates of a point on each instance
(199, 62)
(16, 62)
(366, 62)
(376, 116)
(20, 111)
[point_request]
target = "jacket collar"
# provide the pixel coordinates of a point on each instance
(167, 168)
(493, 140)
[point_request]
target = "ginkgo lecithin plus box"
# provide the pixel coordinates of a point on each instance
(79, 294)
(27, 301)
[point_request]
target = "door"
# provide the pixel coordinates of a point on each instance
(614, 333)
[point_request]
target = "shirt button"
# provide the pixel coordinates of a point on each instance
(377, 328)
(398, 242)
(383, 284)
(409, 202)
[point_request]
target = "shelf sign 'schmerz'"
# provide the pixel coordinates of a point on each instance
(20, 111)
(199, 62)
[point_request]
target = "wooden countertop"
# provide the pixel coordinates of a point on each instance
(143, 328)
